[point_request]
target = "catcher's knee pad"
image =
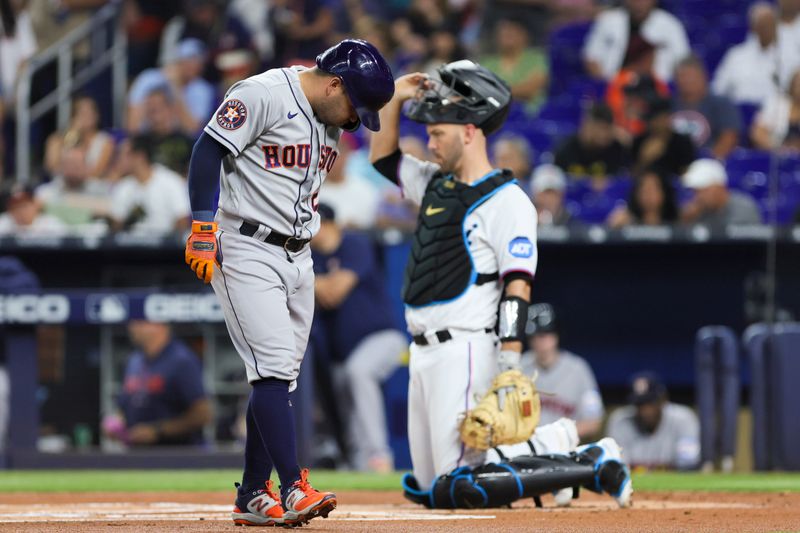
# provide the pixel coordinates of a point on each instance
(610, 472)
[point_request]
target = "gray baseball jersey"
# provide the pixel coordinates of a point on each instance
(674, 444)
(280, 156)
(568, 388)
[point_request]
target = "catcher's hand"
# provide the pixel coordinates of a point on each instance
(507, 414)
(201, 249)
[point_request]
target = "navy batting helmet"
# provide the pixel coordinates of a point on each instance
(467, 94)
(367, 77)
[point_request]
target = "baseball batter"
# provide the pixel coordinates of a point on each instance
(269, 146)
(466, 290)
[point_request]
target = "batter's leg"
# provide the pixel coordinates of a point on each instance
(257, 462)
(371, 362)
(419, 436)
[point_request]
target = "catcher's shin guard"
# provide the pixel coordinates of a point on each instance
(500, 484)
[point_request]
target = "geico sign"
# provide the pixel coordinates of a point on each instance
(182, 308)
(34, 308)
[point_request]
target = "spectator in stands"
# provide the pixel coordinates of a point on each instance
(712, 121)
(74, 196)
(524, 67)
(83, 133)
(163, 401)
(754, 70)
(354, 199)
(713, 203)
(513, 152)
(568, 380)
(52, 21)
(661, 147)
(629, 95)
(777, 123)
(789, 27)
(354, 310)
(144, 21)
(24, 217)
(212, 23)
(152, 198)
(192, 98)
(651, 203)
(444, 47)
(535, 15)
(172, 147)
(301, 29)
(594, 152)
(547, 190)
(234, 66)
(619, 36)
(17, 45)
(654, 432)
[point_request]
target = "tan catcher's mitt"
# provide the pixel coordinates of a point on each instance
(507, 414)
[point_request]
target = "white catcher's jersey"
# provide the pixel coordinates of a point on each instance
(280, 153)
(501, 237)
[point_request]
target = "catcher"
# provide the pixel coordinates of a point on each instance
(467, 283)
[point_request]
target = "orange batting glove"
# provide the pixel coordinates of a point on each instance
(201, 249)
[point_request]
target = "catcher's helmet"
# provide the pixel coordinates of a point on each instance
(466, 93)
(367, 77)
(541, 319)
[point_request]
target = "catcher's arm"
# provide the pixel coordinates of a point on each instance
(512, 315)
(384, 143)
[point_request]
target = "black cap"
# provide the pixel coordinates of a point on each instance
(601, 112)
(646, 387)
(326, 213)
(541, 319)
(657, 106)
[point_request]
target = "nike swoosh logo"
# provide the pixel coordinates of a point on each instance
(291, 115)
(430, 211)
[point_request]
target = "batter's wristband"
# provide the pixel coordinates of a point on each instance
(203, 227)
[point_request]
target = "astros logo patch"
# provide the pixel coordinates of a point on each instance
(232, 114)
(520, 247)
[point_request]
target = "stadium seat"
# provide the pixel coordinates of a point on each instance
(564, 48)
(717, 390)
(747, 112)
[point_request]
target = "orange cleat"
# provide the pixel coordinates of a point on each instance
(261, 507)
(303, 502)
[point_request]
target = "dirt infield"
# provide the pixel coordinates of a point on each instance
(372, 511)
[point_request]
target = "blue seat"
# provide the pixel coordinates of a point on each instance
(564, 50)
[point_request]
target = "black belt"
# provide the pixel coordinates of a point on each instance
(443, 335)
(290, 244)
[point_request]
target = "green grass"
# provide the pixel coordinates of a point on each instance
(220, 480)
(750, 482)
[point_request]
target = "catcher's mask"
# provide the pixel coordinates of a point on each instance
(464, 93)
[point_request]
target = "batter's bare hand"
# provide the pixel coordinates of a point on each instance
(408, 86)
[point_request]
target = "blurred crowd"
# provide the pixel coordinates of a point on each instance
(625, 112)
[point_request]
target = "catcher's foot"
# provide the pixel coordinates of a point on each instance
(611, 473)
(303, 502)
(563, 497)
(260, 507)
